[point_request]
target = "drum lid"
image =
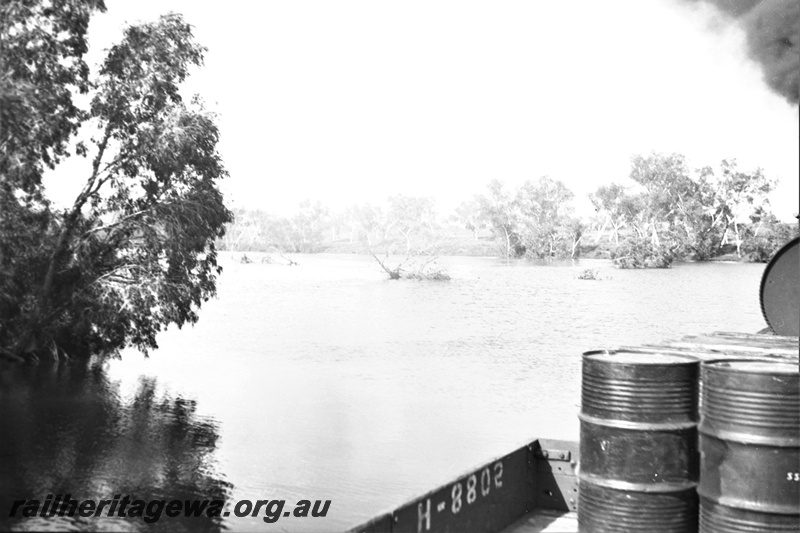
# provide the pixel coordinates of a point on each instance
(780, 290)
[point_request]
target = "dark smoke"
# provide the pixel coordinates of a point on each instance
(773, 35)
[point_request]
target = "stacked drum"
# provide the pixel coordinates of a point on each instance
(639, 462)
(640, 467)
(750, 447)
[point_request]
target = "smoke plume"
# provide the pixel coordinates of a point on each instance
(773, 34)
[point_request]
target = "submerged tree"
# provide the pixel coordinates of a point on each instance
(501, 213)
(682, 214)
(303, 233)
(546, 226)
(534, 220)
(135, 250)
(415, 265)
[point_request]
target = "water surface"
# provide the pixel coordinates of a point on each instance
(326, 381)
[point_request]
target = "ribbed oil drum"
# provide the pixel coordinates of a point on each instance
(750, 447)
(638, 443)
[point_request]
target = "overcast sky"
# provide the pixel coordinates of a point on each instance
(352, 101)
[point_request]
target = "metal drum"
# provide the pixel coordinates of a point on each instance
(638, 443)
(750, 447)
(780, 290)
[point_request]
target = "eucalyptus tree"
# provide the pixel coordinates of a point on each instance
(665, 178)
(741, 198)
(135, 250)
(303, 233)
(500, 210)
(411, 215)
(366, 218)
(697, 210)
(468, 213)
(608, 201)
(546, 225)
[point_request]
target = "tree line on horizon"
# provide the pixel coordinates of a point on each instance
(667, 213)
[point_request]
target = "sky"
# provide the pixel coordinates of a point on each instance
(353, 101)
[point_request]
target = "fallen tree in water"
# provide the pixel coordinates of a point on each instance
(413, 267)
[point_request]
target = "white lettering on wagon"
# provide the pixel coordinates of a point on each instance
(485, 482)
(426, 515)
(478, 485)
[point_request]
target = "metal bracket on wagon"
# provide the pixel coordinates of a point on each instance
(553, 455)
(557, 486)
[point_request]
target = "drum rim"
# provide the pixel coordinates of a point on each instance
(721, 363)
(608, 355)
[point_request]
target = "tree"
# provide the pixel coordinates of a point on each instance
(42, 45)
(337, 221)
(766, 237)
(253, 230)
(303, 233)
(742, 198)
(135, 251)
(409, 215)
(574, 232)
(501, 213)
(665, 199)
(708, 205)
(417, 266)
(469, 214)
(665, 178)
(367, 218)
(38, 44)
(689, 214)
(672, 209)
(608, 202)
(546, 227)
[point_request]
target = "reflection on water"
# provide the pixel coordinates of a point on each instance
(325, 381)
(66, 429)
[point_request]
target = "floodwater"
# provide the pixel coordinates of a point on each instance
(326, 381)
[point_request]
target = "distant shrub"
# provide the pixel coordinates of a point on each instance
(433, 273)
(637, 252)
(590, 274)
